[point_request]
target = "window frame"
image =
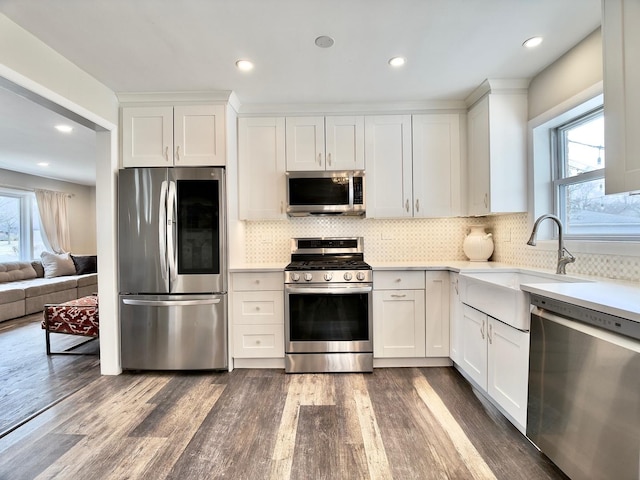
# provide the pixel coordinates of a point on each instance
(561, 181)
(28, 219)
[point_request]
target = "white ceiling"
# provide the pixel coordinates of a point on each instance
(451, 46)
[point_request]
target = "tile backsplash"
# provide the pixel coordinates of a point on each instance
(426, 240)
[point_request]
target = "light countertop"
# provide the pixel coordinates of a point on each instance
(614, 297)
(619, 299)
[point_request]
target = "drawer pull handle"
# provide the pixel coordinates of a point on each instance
(396, 295)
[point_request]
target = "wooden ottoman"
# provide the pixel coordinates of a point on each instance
(76, 317)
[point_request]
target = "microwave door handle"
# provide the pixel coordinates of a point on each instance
(162, 228)
(172, 207)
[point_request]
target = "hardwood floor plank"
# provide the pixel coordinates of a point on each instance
(376, 455)
(470, 456)
(34, 458)
(254, 424)
(505, 450)
(29, 379)
(411, 433)
(237, 438)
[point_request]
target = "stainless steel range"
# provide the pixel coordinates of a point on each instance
(328, 307)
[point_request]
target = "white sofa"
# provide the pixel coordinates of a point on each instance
(24, 289)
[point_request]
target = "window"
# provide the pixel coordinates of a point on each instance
(20, 238)
(581, 204)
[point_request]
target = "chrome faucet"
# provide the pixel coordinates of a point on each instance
(562, 258)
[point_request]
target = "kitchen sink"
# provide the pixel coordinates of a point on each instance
(498, 294)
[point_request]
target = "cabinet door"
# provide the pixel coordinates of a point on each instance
(455, 318)
(344, 143)
(388, 161)
(258, 341)
(398, 323)
(436, 165)
(478, 148)
(437, 314)
(199, 135)
(258, 308)
(261, 168)
(474, 345)
(147, 136)
(305, 143)
(621, 41)
(508, 368)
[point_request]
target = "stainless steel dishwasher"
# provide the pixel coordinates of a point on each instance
(584, 390)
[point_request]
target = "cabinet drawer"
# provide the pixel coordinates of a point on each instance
(393, 280)
(258, 281)
(258, 308)
(258, 341)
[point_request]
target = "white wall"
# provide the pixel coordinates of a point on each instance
(574, 72)
(31, 64)
(82, 211)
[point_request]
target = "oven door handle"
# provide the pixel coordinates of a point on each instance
(329, 290)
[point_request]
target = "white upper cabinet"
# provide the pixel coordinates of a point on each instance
(621, 43)
(389, 191)
(414, 165)
(496, 146)
(167, 136)
(261, 168)
(437, 168)
(199, 135)
(147, 136)
(344, 141)
(325, 143)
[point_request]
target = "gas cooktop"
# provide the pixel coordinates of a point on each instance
(340, 260)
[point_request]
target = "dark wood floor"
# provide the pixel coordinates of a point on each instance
(29, 379)
(263, 424)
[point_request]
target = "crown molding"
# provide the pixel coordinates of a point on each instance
(175, 98)
(302, 109)
(498, 85)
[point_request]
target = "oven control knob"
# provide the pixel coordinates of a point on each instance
(308, 277)
(328, 277)
(360, 276)
(295, 277)
(347, 276)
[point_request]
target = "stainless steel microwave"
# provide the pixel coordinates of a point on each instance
(325, 193)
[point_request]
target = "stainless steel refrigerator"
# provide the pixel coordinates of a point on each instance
(172, 268)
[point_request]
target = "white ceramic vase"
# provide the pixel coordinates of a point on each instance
(478, 244)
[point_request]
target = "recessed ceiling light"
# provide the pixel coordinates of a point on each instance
(64, 128)
(43, 164)
(397, 61)
(244, 65)
(532, 42)
(324, 41)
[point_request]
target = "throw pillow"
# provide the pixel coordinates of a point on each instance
(57, 265)
(37, 266)
(85, 264)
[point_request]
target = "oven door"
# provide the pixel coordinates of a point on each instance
(328, 318)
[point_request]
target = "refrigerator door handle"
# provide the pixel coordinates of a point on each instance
(172, 206)
(162, 229)
(170, 303)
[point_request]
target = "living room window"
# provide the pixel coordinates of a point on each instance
(20, 238)
(580, 202)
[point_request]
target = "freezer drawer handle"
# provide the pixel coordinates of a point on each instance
(170, 303)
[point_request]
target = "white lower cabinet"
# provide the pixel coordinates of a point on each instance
(496, 357)
(455, 318)
(410, 314)
(398, 314)
(258, 315)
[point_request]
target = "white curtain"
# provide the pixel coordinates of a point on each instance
(53, 208)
